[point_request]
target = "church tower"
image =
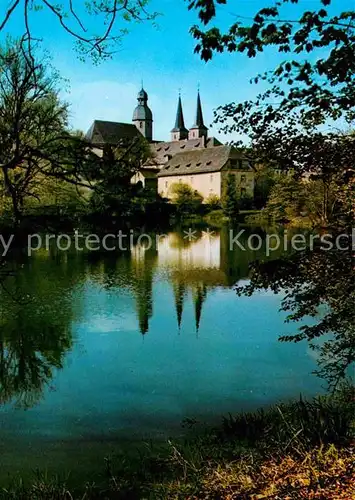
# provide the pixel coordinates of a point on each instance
(179, 132)
(198, 129)
(142, 116)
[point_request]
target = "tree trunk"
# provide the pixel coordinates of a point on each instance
(12, 192)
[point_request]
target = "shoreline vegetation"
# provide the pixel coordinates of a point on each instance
(297, 131)
(301, 449)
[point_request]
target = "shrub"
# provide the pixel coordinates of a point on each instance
(213, 202)
(246, 202)
(187, 200)
(230, 201)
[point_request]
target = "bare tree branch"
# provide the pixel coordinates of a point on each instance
(8, 14)
(89, 43)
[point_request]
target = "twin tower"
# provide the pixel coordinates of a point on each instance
(143, 120)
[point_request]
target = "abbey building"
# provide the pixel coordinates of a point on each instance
(190, 157)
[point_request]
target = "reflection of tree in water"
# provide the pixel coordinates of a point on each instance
(318, 284)
(35, 320)
(29, 351)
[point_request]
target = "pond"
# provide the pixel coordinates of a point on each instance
(100, 348)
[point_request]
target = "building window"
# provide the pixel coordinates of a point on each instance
(166, 184)
(243, 191)
(243, 178)
(211, 178)
(141, 124)
(191, 180)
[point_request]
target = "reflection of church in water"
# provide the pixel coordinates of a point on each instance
(193, 268)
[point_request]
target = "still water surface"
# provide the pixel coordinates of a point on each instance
(99, 348)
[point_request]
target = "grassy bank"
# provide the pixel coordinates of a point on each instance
(290, 451)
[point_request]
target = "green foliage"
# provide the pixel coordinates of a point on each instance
(286, 200)
(215, 218)
(324, 86)
(230, 199)
(148, 205)
(35, 143)
(292, 199)
(296, 450)
(187, 201)
(302, 93)
(213, 202)
(264, 181)
(323, 420)
(246, 202)
(111, 177)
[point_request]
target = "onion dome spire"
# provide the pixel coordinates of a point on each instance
(142, 115)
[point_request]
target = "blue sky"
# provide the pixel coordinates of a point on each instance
(163, 57)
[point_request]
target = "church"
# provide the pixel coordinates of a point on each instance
(190, 157)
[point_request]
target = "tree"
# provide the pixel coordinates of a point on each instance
(96, 38)
(295, 200)
(187, 200)
(294, 124)
(264, 180)
(213, 202)
(113, 192)
(230, 199)
(307, 85)
(35, 141)
(305, 91)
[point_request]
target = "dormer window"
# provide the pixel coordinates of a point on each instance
(188, 165)
(182, 147)
(177, 166)
(198, 164)
(209, 162)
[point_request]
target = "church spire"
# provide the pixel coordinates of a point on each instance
(198, 129)
(179, 132)
(142, 115)
(199, 115)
